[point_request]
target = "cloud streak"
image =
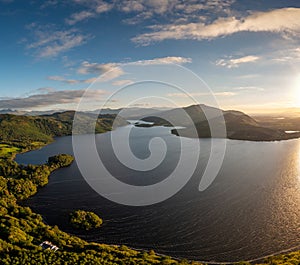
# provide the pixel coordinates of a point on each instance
(50, 97)
(50, 43)
(110, 71)
(283, 21)
(96, 68)
(122, 82)
(146, 9)
(71, 81)
(233, 63)
(97, 8)
(200, 94)
(80, 16)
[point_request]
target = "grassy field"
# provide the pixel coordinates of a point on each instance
(7, 151)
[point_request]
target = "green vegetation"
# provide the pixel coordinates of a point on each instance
(21, 230)
(157, 121)
(85, 220)
(7, 151)
(27, 130)
(61, 160)
(284, 259)
(20, 134)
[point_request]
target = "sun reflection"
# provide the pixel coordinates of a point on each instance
(297, 91)
(298, 164)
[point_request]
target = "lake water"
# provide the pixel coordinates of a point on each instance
(251, 210)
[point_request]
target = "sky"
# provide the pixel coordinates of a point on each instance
(235, 54)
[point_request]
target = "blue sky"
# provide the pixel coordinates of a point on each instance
(247, 52)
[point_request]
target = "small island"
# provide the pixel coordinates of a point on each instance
(85, 220)
(61, 160)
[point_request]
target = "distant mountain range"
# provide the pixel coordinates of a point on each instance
(127, 113)
(135, 112)
(42, 126)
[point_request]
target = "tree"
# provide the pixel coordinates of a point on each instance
(62, 160)
(85, 220)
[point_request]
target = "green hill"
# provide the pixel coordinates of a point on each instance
(24, 133)
(239, 126)
(44, 128)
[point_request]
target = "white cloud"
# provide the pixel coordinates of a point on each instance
(103, 7)
(95, 68)
(284, 21)
(62, 79)
(122, 82)
(199, 94)
(110, 71)
(49, 43)
(163, 60)
(132, 6)
(111, 74)
(147, 9)
(286, 55)
(95, 9)
(44, 90)
(77, 17)
(248, 76)
(249, 88)
(232, 63)
(72, 81)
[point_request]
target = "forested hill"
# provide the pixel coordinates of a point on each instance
(44, 128)
(239, 126)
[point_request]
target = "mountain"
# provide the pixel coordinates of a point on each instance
(12, 111)
(239, 126)
(28, 113)
(128, 113)
(43, 128)
(133, 113)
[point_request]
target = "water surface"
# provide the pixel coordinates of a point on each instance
(252, 209)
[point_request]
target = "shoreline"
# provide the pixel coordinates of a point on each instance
(212, 262)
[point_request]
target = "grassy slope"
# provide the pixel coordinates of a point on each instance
(23, 133)
(43, 128)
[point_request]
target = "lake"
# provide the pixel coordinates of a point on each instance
(251, 210)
